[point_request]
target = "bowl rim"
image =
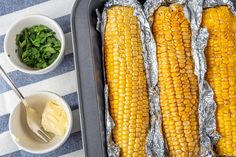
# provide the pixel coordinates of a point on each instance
(59, 57)
(64, 138)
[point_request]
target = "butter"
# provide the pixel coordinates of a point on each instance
(54, 119)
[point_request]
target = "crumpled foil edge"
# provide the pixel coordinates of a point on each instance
(214, 3)
(207, 105)
(155, 139)
(113, 149)
(209, 135)
(151, 5)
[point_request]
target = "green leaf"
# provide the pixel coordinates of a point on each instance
(45, 37)
(35, 53)
(49, 50)
(51, 39)
(22, 44)
(41, 64)
(44, 46)
(17, 39)
(25, 32)
(32, 36)
(36, 42)
(28, 61)
(40, 28)
(25, 54)
(46, 55)
(53, 58)
(37, 46)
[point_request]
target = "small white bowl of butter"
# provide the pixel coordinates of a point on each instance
(56, 120)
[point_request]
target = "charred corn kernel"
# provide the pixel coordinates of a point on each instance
(177, 82)
(221, 73)
(126, 79)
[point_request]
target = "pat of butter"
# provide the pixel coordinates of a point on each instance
(54, 119)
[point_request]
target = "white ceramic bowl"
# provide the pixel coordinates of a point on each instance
(10, 42)
(21, 133)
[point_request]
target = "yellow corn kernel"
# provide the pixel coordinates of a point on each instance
(221, 73)
(177, 82)
(126, 79)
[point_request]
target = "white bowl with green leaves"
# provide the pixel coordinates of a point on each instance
(35, 44)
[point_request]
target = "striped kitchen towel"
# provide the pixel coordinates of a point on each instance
(10, 11)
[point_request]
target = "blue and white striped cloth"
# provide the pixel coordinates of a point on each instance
(60, 10)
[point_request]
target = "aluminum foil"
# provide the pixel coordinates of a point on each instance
(207, 106)
(214, 3)
(151, 5)
(209, 134)
(154, 138)
(113, 149)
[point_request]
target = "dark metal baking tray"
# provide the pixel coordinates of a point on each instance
(88, 63)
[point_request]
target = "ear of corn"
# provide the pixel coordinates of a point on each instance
(221, 73)
(126, 79)
(177, 82)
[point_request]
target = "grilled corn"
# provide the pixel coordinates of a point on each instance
(126, 79)
(177, 82)
(221, 73)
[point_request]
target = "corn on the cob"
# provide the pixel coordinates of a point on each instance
(177, 82)
(221, 73)
(126, 79)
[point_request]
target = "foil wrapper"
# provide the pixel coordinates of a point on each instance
(214, 3)
(113, 149)
(207, 106)
(209, 136)
(151, 5)
(155, 139)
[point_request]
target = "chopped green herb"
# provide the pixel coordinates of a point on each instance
(37, 46)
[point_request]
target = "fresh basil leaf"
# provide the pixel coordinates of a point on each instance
(22, 44)
(17, 38)
(25, 54)
(41, 64)
(32, 36)
(35, 53)
(53, 58)
(37, 46)
(36, 42)
(50, 50)
(51, 40)
(46, 55)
